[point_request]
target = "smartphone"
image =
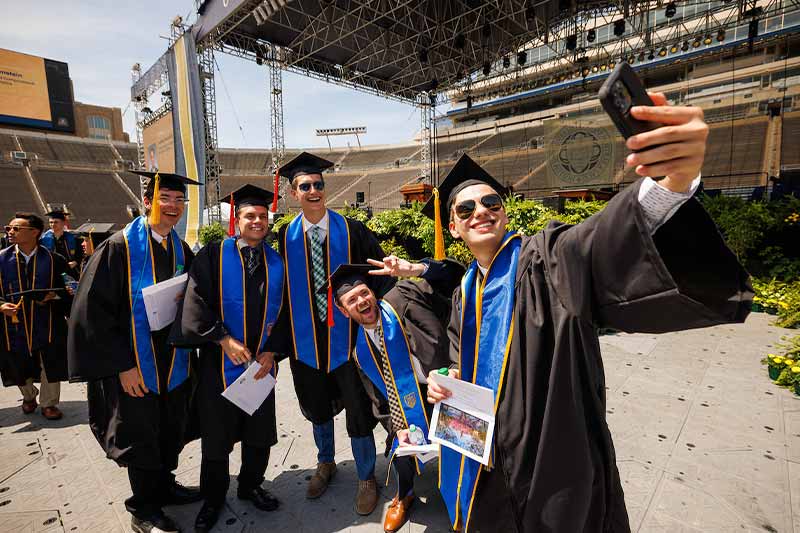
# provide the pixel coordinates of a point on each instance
(622, 90)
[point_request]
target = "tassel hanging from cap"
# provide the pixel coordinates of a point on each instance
(155, 205)
(438, 247)
(275, 187)
(232, 218)
(89, 243)
(330, 305)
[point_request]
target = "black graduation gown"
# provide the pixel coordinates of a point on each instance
(62, 248)
(323, 395)
(144, 432)
(555, 467)
(16, 368)
(424, 310)
(222, 424)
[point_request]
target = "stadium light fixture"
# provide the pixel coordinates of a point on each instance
(721, 35)
(603, 67)
(641, 55)
(673, 49)
(595, 68)
(585, 71)
(651, 55)
(612, 65)
(459, 41)
(671, 10)
(591, 35)
(619, 27)
(572, 42)
(522, 58)
(423, 55)
(487, 68)
(662, 52)
(685, 46)
(707, 39)
(506, 62)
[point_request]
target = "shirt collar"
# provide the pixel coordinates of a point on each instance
(322, 224)
(23, 254)
(156, 236)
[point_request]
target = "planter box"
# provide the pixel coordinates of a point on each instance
(774, 372)
(797, 388)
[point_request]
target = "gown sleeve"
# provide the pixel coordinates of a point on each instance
(280, 337)
(612, 271)
(197, 321)
(99, 343)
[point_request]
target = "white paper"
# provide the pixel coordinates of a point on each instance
(248, 393)
(465, 420)
(161, 301)
(424, 452)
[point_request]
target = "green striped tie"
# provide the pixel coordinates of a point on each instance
(318, 271)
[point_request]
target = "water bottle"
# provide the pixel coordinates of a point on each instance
(69, 282)
(415, 435)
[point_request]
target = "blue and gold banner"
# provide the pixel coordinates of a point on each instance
(233, 299)
(301, 310)
(141, 274)
(487, 326)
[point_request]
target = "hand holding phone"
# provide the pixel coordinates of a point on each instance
(621, 91)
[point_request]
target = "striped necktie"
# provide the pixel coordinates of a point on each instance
(395, 410)
(318, 271)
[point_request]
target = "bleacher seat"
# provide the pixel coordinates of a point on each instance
(91, 196)
(736, 150)
(790, 153)
(17, 194)
(385, 157)
(39, 146)
(7, 145)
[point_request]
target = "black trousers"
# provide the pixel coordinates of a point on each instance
(148, 487)
(215, 480)
(404, 472)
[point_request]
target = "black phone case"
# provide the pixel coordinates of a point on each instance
(627, 125)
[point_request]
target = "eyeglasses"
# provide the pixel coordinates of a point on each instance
(306, 187)
(465, 209)
(176, 201)
(16, 228)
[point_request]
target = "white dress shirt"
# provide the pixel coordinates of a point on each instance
(26, 256)
(322, 225)
(421, 377)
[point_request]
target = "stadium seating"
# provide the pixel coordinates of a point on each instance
(510, 140)
(17, 195)
(450, 147)
(357, 158)
(735, 151)
(38, 146)
(790, 153)
(91, 196)
(7, 144)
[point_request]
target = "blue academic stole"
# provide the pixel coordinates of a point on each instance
(34, 329)
(48, 240)
(233, 300)
(141, 274)
(487, 326)
(395, 341)
(301, 311)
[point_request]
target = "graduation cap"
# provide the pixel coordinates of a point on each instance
(344, 278)
(158, 181)
(303, 164)
(464, 173)
(245, 196)
(57, 213)
(37, 295)
(95, 233)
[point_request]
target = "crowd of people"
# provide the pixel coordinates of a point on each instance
(521, 320)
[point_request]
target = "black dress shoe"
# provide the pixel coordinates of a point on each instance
(154, 524)
(206, 518)
(261, 498)
(177, 494)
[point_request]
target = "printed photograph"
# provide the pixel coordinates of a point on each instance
(462, 429)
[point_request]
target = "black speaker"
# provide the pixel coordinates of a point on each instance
(359, 197)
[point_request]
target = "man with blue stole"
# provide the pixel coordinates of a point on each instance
(233, 298)
(34, 324)
(139, 387)
(525, 320)
(402, 337)
(62, 241)
(313, 245)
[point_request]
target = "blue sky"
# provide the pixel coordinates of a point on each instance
(100, 40)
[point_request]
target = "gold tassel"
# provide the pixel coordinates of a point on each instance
(89, 243)
(14, 317)
(438, 247)
(155, 209)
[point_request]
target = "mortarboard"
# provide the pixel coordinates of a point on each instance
(36, 295)
(244, 196)
(96, 233)
(303, 164)
(57, 213)
(158, 181)
(347, 276)
(464, 173)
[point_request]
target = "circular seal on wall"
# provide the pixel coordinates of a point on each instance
(582, 156)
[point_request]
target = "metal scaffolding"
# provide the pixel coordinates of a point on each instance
(425, 137)
(276, 121)
(205, 57)
(139, 103)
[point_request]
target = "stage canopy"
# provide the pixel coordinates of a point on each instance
(395, 48)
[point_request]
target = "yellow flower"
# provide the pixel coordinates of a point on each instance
(778, 360)
(788, 362)
(796, 370)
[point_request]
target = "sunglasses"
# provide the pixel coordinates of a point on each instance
(16, 228)
(465, 209)
(306, 187)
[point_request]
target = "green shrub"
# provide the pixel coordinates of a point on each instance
(212, 233)
(779, 297)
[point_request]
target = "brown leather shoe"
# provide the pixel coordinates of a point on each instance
(52, 413)
(29, 407)
(398, 512)
(366, 497)
(318, 483)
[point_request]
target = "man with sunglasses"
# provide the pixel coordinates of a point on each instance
(33, 340)
(317, 335)
(524, 324)
(139, 386)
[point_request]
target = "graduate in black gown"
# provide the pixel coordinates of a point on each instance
(235, 286)
(139, 387)
(401, 339)
(325, 379)
(651, 261)
(60, 240)
(33, 340)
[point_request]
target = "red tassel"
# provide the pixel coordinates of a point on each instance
(232, 219)
(330, 305)
(275, 191)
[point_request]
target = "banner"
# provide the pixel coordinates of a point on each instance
(188, 130)
(159, 145)
(580, 153)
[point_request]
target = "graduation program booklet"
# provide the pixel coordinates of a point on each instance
(248, 393)
(424, 452)
(465, 420)
(162, 299)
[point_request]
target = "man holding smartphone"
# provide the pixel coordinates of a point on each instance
(524, 323)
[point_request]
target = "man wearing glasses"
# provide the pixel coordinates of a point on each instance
(525, 320)
(34, 325)
(138, 385)
(317, 335)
